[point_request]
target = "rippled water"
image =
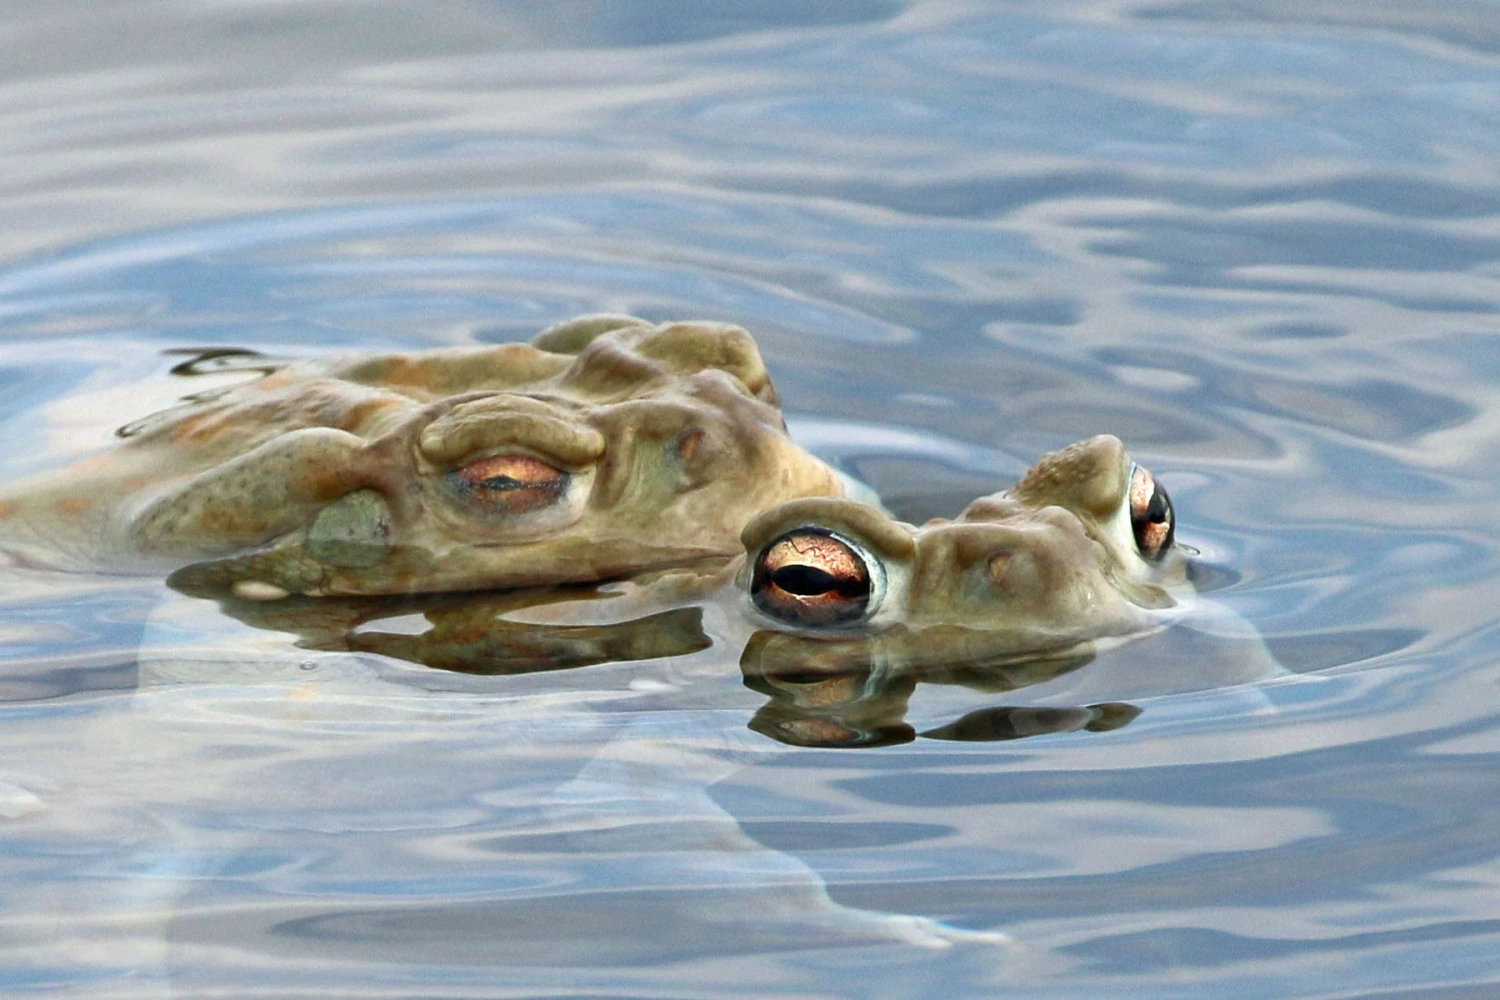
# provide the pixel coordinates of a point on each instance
(1257, 241)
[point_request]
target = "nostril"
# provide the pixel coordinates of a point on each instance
(996, 567)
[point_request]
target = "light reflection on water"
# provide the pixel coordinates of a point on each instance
(1255, 241)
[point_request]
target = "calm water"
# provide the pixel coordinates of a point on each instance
(1260, 242)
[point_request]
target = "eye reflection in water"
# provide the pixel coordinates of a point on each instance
(835, 693)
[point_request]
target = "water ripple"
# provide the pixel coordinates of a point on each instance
(1257, 241)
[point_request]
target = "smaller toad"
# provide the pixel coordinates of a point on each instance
(1081, 548)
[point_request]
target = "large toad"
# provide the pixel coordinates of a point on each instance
(605, 447)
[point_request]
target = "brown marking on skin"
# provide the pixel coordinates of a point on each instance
(198, 429)
(689, 442)
(364, 413)
(71, 505)
(91, 464)
(276, 380)
(407, 372)
(220, 522)
(7, 509)
(323, 483)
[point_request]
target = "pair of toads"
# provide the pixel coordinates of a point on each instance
(608, 448)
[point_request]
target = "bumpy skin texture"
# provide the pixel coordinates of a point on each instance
(347, 475)
(1048, 563)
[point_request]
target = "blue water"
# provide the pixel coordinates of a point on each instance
(1259, 242)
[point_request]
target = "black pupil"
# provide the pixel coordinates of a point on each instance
(1157, 509)
(809, 581)
(501, 484)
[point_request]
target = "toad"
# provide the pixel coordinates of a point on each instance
(1081, 548)
(606, 446)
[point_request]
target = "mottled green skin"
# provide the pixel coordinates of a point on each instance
(1055, 551)
(333, 476)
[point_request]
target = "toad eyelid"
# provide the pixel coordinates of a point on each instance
(516, 492)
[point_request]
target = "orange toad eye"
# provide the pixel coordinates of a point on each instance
(1151, 515)
(811, 577)
(511, 484)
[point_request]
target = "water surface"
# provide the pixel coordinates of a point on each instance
(1257, 241)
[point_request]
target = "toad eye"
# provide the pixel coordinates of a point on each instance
(1151, 515)
(511, 484)
(810, 576)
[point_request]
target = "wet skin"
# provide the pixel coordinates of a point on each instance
(605, 447)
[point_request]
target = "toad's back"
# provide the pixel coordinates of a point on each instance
(606, 446)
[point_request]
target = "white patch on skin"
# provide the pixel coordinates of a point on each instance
(257, 590)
